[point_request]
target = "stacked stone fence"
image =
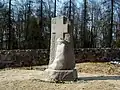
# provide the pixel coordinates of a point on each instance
(97, 54)
(20, 58)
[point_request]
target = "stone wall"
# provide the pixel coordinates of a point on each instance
(18, 58)
(97, 54)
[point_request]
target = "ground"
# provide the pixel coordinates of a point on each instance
(92, 76)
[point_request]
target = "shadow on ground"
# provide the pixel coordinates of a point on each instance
(99, 78)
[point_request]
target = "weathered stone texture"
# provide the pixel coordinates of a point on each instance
(62, 60)
(97, 54)
(17, 58)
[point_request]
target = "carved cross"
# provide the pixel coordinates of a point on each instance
(59, 27)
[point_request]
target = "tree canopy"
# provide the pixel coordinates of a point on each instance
(26, 24)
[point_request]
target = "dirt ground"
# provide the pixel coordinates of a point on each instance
(92, 76)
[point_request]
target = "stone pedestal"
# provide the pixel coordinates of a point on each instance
(61, 75)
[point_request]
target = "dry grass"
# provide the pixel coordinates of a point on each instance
(99, 68)
(26, 79)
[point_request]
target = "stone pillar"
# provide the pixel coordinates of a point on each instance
(62, 59)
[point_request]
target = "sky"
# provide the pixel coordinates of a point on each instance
(59, 3)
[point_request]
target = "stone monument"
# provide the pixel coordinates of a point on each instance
(59, 27)
(62, 61)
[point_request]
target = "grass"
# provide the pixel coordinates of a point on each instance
(99, 68)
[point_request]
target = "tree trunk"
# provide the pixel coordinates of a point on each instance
(84, 26)
(91, 37)
(1, 45)
(49, 25)
(110, 32)
(27, 23)
(55, 9)
(9, 22)
(41, 22)
(70, 6)
(110, 42)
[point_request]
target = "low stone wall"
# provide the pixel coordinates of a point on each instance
(18, 58)
(97, 54)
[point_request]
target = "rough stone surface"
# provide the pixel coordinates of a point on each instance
(59, 27)
(20, 58)
(62, 59)
(61, 75)
(97, 54)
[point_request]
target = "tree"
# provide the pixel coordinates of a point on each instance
(111, 28)
(55, 9)
(70, 6)
(85, 25)
(10, 27)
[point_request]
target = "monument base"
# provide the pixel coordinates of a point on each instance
(60, 75)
